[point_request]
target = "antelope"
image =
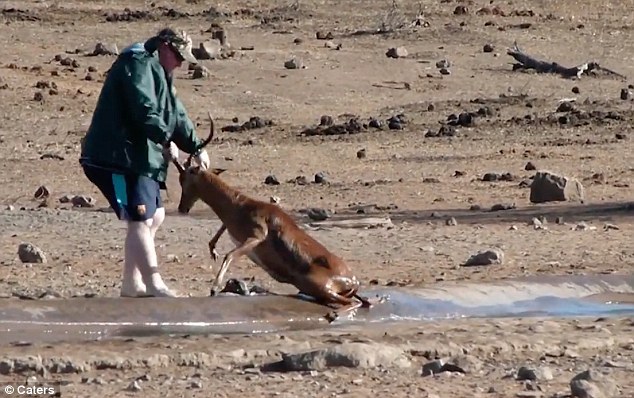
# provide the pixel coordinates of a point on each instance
(270, 238)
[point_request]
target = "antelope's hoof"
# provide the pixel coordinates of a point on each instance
(213, 292)
(214, 255)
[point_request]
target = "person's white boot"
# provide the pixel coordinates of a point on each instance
(132, 284)
(142, 263)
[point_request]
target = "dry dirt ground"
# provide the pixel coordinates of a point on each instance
(416, 179)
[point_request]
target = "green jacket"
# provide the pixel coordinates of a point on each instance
(136, 112)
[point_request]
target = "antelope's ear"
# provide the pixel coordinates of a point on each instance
(217, 171)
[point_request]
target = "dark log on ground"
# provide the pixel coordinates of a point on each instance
(528, 62)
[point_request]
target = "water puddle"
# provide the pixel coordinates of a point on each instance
(109, 317)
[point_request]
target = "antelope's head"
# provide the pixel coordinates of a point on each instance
(188, 174)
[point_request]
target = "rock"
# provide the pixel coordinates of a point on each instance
(361, 153)
(576, 90)
(31, 254)
(352, 355)
(103, 49)
(550, 187)
(294, 63)
(275, 199)
(488, 257)
(451, 222)
(461, 10)
(41, 193)
(462, 364)
(326, 120)
(319, 35)
(207, 50)
(445, 71)
(397, 122)
(396, 52)
(530, 166)
(433, 367)
(200, 72)
(626, 94)
(490, 177)
(271, 180)
(83, 201)
(443, 63)
(503, 206)
(488, 48)
(134, 386)
(565, 106)
(320, 178)
(593, 384)
(542, 373)
(318, 214)
(585, 389)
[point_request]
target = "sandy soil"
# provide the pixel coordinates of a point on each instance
(417, 180)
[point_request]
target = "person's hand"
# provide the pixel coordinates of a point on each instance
(170, 152)
(202, 159)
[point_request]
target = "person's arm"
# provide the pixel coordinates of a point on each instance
(142, 102)
(184, 135)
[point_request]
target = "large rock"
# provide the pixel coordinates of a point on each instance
(352, 355)
(30, 254)
(550, 187)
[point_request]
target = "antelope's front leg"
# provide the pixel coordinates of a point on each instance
(214, 241)
(238, 252)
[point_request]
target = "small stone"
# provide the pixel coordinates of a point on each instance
(320, 178)
(445, 71)
(275, 199)
(41, 192)
(31, 254)
(396, 52)
(576, 90)
(451, 222)
(361, 153)
(83, 201)
(443, 63)
(488, 48)
(318, 214)
(324, 36)
(488, 257)
(541, 373)
(294, 63)
(503, 206)
(565, 106)
(200, 72)
(432, 368)
(460, 10)
(326, 120)
(626, 94)
(271, 180)
(530, 166)
(134, 386)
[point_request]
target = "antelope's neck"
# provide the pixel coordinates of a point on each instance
(216, 194)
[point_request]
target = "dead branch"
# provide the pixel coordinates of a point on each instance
(528, 62)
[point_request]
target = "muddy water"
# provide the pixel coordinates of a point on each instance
(102, 318)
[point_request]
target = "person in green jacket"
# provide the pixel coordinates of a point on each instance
(138, 125)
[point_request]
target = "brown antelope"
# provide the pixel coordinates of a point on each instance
(268, 236)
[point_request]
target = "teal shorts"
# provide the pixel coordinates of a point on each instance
(132, 197)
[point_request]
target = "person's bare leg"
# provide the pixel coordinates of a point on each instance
(141, 252)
